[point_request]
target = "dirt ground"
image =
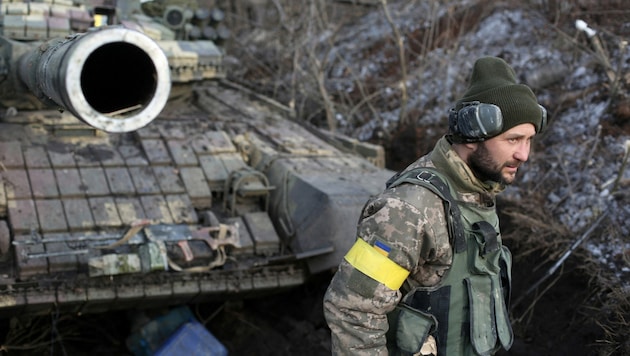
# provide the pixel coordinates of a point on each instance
(292, 323)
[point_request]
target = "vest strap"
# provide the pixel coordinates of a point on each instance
(490, 242)
(366, 259)
(429, 178)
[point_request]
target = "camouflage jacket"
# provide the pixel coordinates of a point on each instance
(410, 220)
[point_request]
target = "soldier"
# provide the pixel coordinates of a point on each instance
(428, 274)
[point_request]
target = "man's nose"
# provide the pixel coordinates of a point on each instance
(522, 153)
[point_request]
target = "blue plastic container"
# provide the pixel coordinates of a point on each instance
(192, 339)
(176, 333)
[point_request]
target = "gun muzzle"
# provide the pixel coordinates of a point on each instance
(114, 79)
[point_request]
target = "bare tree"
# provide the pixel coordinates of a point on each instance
(403, 63)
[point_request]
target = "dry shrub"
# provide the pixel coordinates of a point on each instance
(538, 242)
(610, 310)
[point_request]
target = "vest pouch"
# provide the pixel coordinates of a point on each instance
(408, 329)
(488, 292)
(483, 333)
(489, 319)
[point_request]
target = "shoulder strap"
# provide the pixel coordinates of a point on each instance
(430, 179)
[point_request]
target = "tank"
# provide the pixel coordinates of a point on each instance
(136, 175)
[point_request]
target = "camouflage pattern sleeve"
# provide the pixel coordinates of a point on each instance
(398, 223)
(358, 323)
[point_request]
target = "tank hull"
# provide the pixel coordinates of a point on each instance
(222, 196)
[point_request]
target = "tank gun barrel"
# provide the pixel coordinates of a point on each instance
(114, 79)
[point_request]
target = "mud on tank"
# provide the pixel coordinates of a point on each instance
(118, 191)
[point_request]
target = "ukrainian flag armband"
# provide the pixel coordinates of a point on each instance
(374, 264)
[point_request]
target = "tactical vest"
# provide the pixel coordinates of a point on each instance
(467, 312)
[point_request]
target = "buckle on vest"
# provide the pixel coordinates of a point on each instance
(425, 176)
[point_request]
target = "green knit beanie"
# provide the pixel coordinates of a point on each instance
(493, 82)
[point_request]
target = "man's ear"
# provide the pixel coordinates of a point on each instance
(465, 149)
(471, 146)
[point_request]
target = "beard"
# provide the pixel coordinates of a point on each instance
(485, 168)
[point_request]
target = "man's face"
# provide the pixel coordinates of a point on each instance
(498, 158)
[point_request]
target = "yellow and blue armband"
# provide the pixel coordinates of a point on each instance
(373, 262)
